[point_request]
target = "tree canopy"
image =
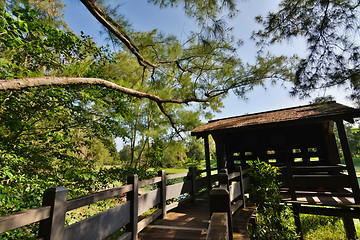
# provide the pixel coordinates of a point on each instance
(207, 67)
(331, 30)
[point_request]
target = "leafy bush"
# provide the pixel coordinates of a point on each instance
(322, 227)
(275, 220)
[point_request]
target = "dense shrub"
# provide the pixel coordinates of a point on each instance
(275, 220)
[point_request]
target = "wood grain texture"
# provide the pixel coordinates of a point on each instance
(23, 218)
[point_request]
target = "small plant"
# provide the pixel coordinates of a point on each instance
(275, 220)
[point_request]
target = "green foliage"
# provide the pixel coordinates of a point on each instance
(32, 47)
(22, 36)
(49, 12)
(52, 136)
(155, 154)
(330, 29)
(119, 174)
(195, 151)
(275, 220)
(202, 11)
(353, 137)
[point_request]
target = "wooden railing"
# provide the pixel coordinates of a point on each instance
(225, 200)
(55, 205)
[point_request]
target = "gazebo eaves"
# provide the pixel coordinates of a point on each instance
(283, 117)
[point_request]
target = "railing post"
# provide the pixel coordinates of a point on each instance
(295, 206)
(242, 186)
(53, 227)
(192, 179)
(133, 197)
(349, 228)
(162, 187)
(208, 163)
(220, 202)
(291, 181)
(348, 160)
(224, 178)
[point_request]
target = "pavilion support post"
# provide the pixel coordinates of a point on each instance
(291, 181)
(224, 179)
(348, 160)
(295, 207)
(220, 152)
(242, 187)
(332, 149)
(193, 186)
(52, 228)
(162, 187)
(207, 160)
(349, 228)
(133, 197)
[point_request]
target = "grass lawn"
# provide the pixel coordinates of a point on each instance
(356, 164)
(323, 227)
(175, 170)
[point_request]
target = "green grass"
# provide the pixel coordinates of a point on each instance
(356, 161)
(324, 227)
(176, 170)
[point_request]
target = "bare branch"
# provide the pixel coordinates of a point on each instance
(162, 109)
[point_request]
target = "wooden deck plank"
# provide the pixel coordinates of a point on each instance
(240, 221)
(189, 221)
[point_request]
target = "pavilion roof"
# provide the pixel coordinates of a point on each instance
(282, 117)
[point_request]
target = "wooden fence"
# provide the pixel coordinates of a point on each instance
(224, 201)
(55, 205)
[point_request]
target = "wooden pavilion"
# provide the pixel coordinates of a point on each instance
(301, 142)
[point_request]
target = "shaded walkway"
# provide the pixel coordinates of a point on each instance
(191, 221)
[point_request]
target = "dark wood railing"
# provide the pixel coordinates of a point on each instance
(224, 201)
(55, 205)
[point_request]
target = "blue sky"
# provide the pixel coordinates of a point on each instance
(146, 17)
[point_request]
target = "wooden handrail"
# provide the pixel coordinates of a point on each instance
(234, 175)
(148, 182)
(95, 197)
(23, 218)
(218, 227)
(47, 214)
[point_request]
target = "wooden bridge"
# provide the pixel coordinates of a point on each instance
(299, 140)
(184, 208)
(181, 205)
(191, 221)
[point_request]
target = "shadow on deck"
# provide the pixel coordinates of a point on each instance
(191, 221)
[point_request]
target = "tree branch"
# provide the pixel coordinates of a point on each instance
(162, 109)
(120, 32)
(17, 84)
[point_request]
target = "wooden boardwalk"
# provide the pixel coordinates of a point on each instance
(190, 221)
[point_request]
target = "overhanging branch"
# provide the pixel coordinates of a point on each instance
(120, 32)
(17, 84)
